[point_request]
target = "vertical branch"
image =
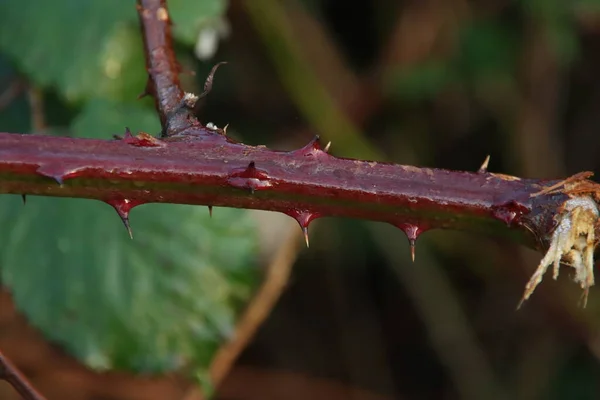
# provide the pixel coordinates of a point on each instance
(17, 380)
(174, 111)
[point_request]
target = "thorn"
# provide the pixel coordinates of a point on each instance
(55, 172)
(412, 232)
(326, 149)
(484, 165)
(312, 148)
(142, 139)
(305, 232)
(209, 80)
(127, 226)
(147, 90)
(304, 218)
(24, 199)
(210, 211)
(583, 299)
(124, 215)
(225, 129)
(122, 207)
(250, 178)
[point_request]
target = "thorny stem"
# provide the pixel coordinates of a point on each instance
(196, 164)
(163, 69)
(11, 374)
(204, 167)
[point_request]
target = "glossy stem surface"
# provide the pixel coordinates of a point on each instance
(204, 167)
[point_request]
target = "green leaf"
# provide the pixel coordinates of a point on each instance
(161, 302)
(90, 48)
(100, 119)
(14, 115)
(190, 16)
(61, 43)
(123, 65)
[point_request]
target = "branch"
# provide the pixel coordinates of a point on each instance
(175, 110)
(11, 374)
(204, 167)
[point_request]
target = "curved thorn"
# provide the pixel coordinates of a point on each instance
(209, 80)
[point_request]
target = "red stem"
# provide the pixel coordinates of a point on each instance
(204, 167)
(11, 374)
(163, 69)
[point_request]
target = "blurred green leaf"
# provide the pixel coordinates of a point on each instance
(190, 16)
(90, 48)
(557, 18)
(488, 51)
(123, 65)
(14, 112)
(160, 302)
(61, 42)
(423, 81)
(101, 119)
(587, 6)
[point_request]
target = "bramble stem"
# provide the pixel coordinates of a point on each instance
(163, 69)
(205, 168)
(11, 374)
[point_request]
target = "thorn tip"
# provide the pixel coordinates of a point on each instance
(305, 232)
(484, 165)
(126, 223)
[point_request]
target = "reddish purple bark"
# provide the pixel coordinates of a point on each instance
(163, 69)
(205, 167)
